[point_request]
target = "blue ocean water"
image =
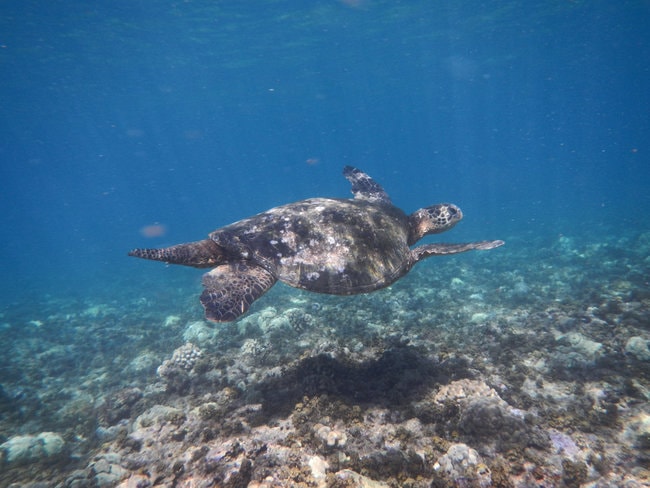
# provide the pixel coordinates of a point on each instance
(533, 117)
(129, 124)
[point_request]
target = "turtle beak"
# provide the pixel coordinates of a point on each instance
(455, 213)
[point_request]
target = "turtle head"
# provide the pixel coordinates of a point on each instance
(433, 220)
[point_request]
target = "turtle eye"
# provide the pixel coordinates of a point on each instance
(452, 210)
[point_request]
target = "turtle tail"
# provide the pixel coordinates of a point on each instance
(199, 254)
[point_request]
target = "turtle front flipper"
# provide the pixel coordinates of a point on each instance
(364, 187)
(230, 289)
(442, 249)
(199, 254)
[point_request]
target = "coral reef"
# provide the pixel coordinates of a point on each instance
(453, 377)
(29, 448)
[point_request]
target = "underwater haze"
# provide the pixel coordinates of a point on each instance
(133, 124)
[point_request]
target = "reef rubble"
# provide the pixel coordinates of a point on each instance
(453, 377)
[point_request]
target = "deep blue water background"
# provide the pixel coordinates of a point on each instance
(533, 117)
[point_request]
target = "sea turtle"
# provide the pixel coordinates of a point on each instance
(325, 245)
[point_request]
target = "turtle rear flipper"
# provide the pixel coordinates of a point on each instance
(441, 249)
(199, 254)
(230, 289)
